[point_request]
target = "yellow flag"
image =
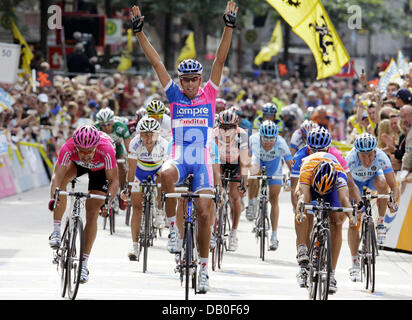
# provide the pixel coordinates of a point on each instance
(188, 51)
(126, 58)
(272, 48)
(310, 21)
(292, 11)
(25, 53)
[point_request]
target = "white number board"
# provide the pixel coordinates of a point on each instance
(9, 62)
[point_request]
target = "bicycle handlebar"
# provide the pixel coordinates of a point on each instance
(264, 177)
(189, 195)
(333, 209)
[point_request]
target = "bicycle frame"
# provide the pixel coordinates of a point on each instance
(262, 220)
(188, 265)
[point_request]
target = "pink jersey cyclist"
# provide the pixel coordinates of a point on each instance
(104, 157)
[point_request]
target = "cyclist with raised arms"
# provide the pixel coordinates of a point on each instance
(88, 151)
(156, 110)
(119, 132)
(147, 152)
(233, 145)
(371, 167)
(321, 176)
(192, 111)
(268, 148)
(318, 140)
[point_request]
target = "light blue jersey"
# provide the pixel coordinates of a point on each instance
(381, 164)
(270, 159)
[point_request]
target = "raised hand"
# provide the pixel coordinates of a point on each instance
(136, 19)
(229, 17)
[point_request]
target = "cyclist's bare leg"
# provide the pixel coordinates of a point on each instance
(169, 178)
(181, 208)
(236, 205)
(336, 220)
(71, 173)
(203, 219)
(136, 199)
(274, 191)
(92, 213)
(382, 187)
(353, 239)
(122, 173)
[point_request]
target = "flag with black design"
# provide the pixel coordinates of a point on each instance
(310, 21)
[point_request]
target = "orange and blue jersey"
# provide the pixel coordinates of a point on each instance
(307, 172)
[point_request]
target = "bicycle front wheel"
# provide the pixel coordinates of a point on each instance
(75, 255)
(188, 258)
(370, 257)
(62, 263)
(262, 230)
(324, 266)
(146, 237)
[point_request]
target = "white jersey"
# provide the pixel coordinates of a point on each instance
(148, 161)
(166, 128)
(297, 141)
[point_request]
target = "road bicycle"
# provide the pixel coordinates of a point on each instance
(188, 258)
(222, 226)
(262, 220)
(320, 250)
(369, 248)
(68, 256)
(113, 210)
(147, 227)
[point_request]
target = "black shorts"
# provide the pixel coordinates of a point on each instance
(234, 169)
(97, 179)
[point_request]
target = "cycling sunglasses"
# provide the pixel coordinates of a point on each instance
(106, 124)
(227, 126)
(86, 151)
(268, 139)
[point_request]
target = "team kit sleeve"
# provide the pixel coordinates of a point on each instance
(64, 155)
(133, 147)
(123, 131)
(287, 156)
(384, 161)
(110, 161)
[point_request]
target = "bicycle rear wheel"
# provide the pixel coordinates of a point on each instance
(75, 255)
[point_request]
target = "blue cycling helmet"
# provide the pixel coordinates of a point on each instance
(365, 142)
(269, 129)
(269, 108)
(189, 66)
(318, 138)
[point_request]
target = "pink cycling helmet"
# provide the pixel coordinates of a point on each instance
(86, 136)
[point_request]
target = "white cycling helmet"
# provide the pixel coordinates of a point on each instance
(148, 125)
(105, 115)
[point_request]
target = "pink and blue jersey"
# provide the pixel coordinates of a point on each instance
(192, 131)
(192, 120)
